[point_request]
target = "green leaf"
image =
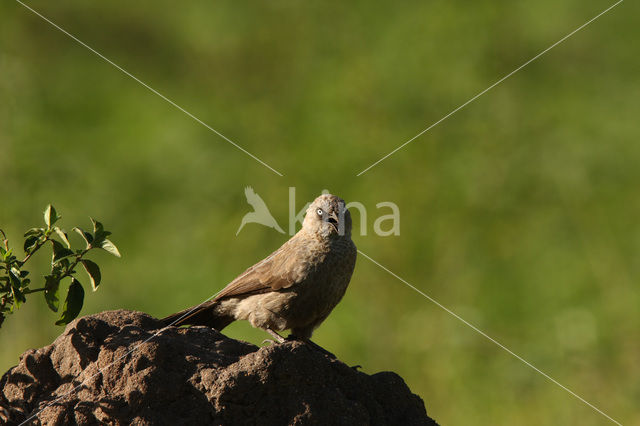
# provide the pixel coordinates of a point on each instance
(14, 279)
(50, 216)
(110, 247)
(30, 242)
(34, 231)
(63, 236)
(94, 273)
(60, 251)
(97, 226)
(99, 234)
(6, 254)
(18, 297)
(87, 237)
(52, 286)
(64, 265)
(73, 303)
(57, 268)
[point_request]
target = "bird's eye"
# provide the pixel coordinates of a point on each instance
(320, 212)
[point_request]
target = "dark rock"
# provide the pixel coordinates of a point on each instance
(124, 367)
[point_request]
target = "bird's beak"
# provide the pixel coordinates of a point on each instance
(333, 220)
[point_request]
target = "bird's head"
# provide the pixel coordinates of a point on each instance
(328, 216)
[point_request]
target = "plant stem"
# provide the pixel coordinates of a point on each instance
(29, 291)
(37, 247)
(75, 263)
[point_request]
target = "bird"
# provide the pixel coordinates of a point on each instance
(260, 213)
(294, 288)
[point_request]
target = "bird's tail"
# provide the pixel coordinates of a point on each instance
(205, 314)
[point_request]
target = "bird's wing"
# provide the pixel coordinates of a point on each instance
(282, 269)
(254, 199)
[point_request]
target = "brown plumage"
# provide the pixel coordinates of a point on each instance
(296, 287)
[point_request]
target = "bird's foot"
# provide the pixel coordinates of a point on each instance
(275, 335)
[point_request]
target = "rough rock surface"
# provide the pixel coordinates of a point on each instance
(192, 376)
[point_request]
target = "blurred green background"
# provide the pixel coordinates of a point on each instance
(519, 213)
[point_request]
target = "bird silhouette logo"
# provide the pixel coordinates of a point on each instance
(260, 213)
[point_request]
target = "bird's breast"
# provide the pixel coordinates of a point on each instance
(325, 283)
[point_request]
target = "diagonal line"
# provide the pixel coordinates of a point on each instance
(492, 86)
(492, 340)
(151, 88)
(116, 360)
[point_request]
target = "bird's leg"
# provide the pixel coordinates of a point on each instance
(275, 335)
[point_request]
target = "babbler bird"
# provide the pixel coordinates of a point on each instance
(296, 287)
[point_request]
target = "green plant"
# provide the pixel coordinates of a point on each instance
(14, 284)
